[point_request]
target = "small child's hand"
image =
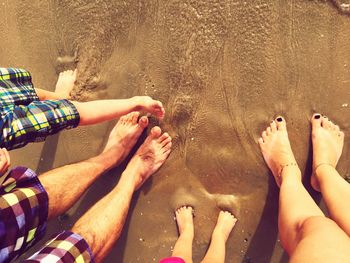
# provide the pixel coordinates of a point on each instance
(150, 105)
(4, 161)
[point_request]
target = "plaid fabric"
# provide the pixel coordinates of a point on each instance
(24, 118)
(23, 214)
(33, 123)
(67, 247)
(16, 87)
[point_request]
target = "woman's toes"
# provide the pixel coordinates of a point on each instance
(268, 130)
(260, 141)
(281, 123)
(264, 136)
(316, 120)
(325, 122)
(273, 126)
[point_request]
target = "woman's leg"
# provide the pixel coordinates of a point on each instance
(222, 230)
(304, 231)
(328, 141)
(183, 246)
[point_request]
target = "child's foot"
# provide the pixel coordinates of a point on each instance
(125, 134)
(276, 149)
(226, 222)
(327, 143)
(184, 220)
(145, 103)
(65, 83)
(150, 156)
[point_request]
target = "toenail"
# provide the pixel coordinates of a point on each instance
(317, 116)
(279, 119)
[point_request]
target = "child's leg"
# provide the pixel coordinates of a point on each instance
(183, 246)
(328, 141)
(223, 228)
(98, 111)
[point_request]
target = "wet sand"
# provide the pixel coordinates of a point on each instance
(223, 69)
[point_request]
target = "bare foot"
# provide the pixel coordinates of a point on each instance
(65, 83)
(184, 219)
(226, 222)
(327, 143)
(145, 103)
(125, 134)
(276, 149)
(150, 156)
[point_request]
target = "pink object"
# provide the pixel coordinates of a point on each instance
(172, 260)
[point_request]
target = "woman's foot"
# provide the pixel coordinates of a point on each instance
(150, 156)
(65, 83)
(184, 219)
(327, 143)
(276, 149)
(226, 222)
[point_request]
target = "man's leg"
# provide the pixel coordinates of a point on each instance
(328, 141)
(222, 230)
(102, 224)
(61, 183)
(306, 234)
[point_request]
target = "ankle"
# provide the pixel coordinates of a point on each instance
(323, 168)
(290, 172)
(219, 234)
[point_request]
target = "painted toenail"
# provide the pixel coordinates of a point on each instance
(279, 119)
(317, 116)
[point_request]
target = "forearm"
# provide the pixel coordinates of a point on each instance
(102, 225)
(65, 185)
(93, 112)
(48, 95)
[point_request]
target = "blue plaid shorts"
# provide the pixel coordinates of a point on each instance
(24, 118)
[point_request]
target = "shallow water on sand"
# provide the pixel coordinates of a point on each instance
(223, 69)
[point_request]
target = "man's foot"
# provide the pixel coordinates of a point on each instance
(276, 149)
(150, 156)
(184, 220)
(65, 83)
(327, 143)
(145, 103)
(226, 222)
(125, 134)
